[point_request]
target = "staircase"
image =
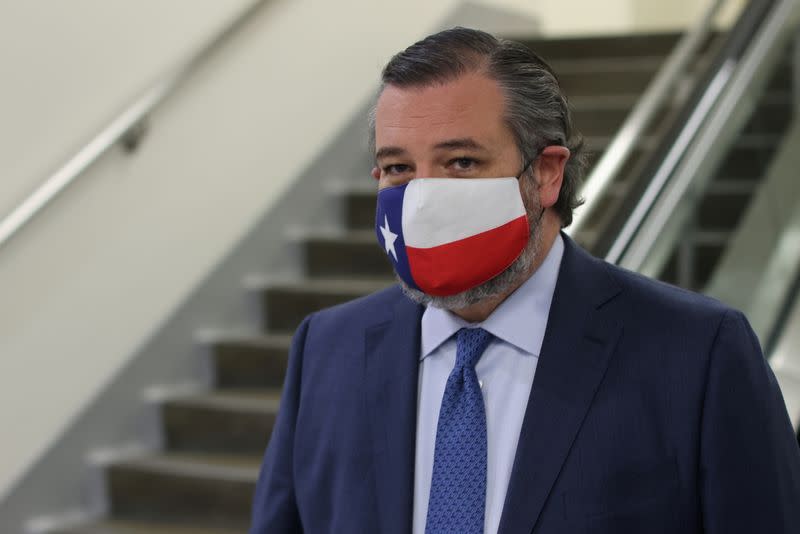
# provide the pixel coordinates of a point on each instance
(203, 479)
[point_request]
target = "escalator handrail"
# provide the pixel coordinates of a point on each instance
(709, 137)
(662, 164)
(647, 108)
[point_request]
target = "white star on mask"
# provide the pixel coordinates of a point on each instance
(389, 237)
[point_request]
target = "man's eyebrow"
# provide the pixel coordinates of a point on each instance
(389, 151)
(464, 143)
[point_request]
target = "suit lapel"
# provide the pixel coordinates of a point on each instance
(392, 365)
(577, 346)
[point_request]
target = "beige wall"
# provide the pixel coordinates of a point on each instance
(103, 266)
(570, 17)
(68, 67)
(560, 17)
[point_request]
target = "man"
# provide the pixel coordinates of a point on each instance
(513, 383)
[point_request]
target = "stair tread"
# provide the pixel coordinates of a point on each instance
(710, 237)
(629, 45)
(564, 66)
(201, 465)
(265, 400)
(619, 102)
(136, 527)
(331, 285)
(352, 236)
(757, 140)
(600, 142)
(349, 187)
(259, 340)
(732, 186)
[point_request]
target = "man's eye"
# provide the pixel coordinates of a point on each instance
(396, 168)
(463, 164)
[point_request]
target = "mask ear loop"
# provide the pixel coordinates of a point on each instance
(525, 168)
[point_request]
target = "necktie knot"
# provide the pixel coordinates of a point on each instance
(470, 344)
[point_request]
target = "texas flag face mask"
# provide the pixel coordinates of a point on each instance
(447, 235)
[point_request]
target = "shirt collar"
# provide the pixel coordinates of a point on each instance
(521, 319)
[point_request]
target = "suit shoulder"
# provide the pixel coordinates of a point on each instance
(662, 297)
(673, 328)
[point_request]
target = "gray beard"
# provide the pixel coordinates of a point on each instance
(495, 287)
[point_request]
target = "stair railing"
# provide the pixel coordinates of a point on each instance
(127, 129)
(728, 102)
(647, 108)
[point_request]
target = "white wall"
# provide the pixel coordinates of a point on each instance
(103, 266)
(576, 17)
(68, 67)
(89, 279)
(560, 17)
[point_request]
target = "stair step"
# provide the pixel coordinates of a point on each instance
(599, 143)
(746, 161)
(619, 81)
(354, 254)
(250, 361)
(610, 65)
(213, 490)
(602, 116)
(359, 206)
(710, 237)
(724, 204)
(605, 46)
(772, 115)
(783, 78)
(134, 527)
(707, 249)
(285, 305)
(234, 422)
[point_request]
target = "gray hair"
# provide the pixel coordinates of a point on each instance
(537, 111)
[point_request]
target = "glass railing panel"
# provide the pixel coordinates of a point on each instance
(682, 228)
(761, 263)
(628, 165)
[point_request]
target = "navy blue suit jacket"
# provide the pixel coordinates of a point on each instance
(652, 411)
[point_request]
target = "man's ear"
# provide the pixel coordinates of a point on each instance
(376, 173)
(549, 172)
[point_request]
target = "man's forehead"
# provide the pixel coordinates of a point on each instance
(469, 107)
(463, 90)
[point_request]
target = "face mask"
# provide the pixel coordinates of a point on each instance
(447, 235)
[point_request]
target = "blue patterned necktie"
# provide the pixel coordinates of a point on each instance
(457, 501)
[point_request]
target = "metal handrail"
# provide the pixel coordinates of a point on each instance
(129, 121)
(715, 131)
(641, 117)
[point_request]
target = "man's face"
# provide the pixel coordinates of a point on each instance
(454, 130)
(451, 130)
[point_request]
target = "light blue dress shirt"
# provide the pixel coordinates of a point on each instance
(505, 371)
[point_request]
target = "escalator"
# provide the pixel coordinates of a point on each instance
(720, 212)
